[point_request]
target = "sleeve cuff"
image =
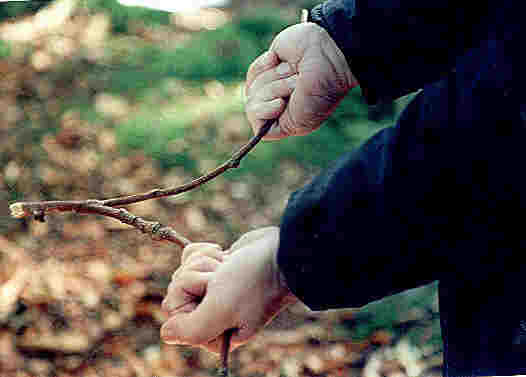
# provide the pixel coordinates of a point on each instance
(316, 15)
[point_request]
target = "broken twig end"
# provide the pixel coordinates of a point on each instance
(17, 210)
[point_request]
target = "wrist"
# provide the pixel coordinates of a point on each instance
(344, 77)
(287, 296)
(316, 16)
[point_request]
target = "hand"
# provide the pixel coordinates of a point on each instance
(213, 291)
(305, 64)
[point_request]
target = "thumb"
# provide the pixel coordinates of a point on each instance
(250, 237)
(198, 327)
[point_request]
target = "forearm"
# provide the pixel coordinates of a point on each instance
(353, 235)
(395, 47)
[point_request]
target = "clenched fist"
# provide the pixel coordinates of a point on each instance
(213, 291)
(299, 81)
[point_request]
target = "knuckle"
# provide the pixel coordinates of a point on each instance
(213, 346)
(204, 264)
(259, 110)
(259, 64)
(173, 332)
(287, 124)
(329, 89)
(194, 337)
(276, 103)
(278, 88)
(188, 250)
(191, 258)
(198, 249)
(202, 257)
(173, 302)
(184, 279)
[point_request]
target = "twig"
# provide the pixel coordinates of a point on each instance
(39, 209)
(225, 349)
(156, 230)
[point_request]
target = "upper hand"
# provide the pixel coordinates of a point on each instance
(213, 291)
(300, 79)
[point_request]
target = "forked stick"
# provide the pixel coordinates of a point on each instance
(106, 207)
(155, 229)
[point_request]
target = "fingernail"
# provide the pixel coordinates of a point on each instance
(283, 68)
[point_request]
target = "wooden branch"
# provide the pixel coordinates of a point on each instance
(39, 209)
(156, 230)
(225, 349)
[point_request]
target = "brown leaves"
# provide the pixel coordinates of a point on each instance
(79, 295)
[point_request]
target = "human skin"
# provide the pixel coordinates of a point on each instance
(298, 81)
(215, 290)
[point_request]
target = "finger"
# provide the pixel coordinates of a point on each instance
(205, 248)
(202, 263)
(250, 237)
(189, 287)
(303, 113)
(290, 44)
(214, 345)
(189, 283)
(286, 126)
(210, 253)
(257, 113)
(199, 263)
(281, 71)
(264, 62)
(198, 327)
(275, 89)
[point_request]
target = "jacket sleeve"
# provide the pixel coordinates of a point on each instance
(369, 226)
(394, 47)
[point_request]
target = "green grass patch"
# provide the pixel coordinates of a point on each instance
(5, 49)
(393, 313)
(223, 54)
(122, 15)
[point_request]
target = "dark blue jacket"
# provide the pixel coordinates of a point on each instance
(439, 196)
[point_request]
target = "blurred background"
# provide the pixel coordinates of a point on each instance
(100, 99)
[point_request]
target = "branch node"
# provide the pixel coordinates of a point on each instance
(234, 163)
(38, 215)
(163, 233)
(112, 207)
(156, 227)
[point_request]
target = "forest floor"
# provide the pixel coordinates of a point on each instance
(98, 104)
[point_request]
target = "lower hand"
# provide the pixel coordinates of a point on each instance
(213, 291)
